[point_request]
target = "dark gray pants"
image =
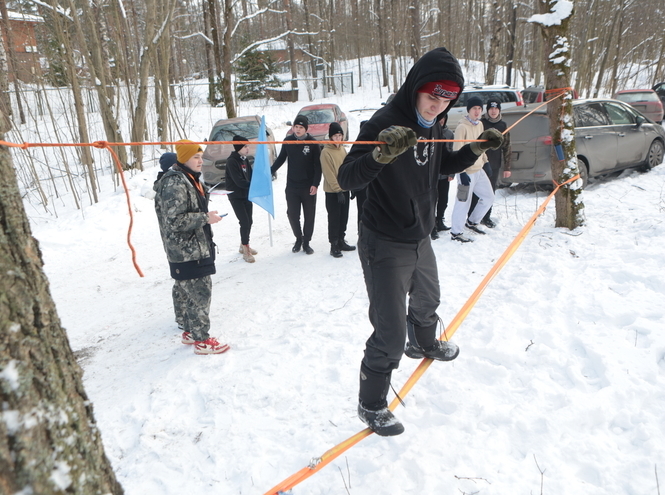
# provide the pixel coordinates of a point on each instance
(191, 303)
(392, 271)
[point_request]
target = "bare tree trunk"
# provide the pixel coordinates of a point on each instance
(5, 99)
(617, 54)
(415, 30)
(495, 25)
(47, 425)
(209, 49)
(382, 41)
(356, 14)
(569, 206)
(291, 44)
(227, 68)
(310, 43)
(610, 41)
(217, 49)
(510, 63)
(12, 59)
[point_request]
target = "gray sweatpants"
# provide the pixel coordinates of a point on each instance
(191, 303)
(392, 271)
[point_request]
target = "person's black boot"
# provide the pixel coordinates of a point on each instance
(297, 245)
(334, 250)
(343, 246)
(440, 225)
(306, 248)
(435, 234)
(438, 350)
(382, 421)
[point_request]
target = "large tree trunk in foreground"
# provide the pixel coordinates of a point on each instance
(49, 441)
(569, 206)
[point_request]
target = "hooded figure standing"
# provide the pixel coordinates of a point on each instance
(181, 204)
(398, 216)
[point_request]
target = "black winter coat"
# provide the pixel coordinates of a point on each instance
(304, 162)
(402, 196)
(237, 179)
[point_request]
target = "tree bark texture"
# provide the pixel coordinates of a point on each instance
(569, 206)
(49, 440)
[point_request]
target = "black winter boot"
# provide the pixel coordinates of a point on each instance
(440, 225)
(334, 250)
(382, 421)
(372, 405)
(306, 248)
(343, 246)
(297, 245)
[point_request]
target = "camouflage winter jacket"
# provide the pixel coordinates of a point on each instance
(183, 222)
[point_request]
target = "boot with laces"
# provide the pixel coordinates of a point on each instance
(253, 252)
(247, 254)
(382, 422)
(440, 351)
(210, 346)
(474, 227)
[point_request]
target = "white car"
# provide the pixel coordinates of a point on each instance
(509, 97)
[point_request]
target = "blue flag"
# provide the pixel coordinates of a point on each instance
(260, 189)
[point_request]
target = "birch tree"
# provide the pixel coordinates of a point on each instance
(554, 22)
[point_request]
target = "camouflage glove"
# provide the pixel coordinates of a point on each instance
(397, 140)
(494, 141)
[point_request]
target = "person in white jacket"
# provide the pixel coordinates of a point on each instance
(473, 180)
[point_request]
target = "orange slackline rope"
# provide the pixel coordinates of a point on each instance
(319, 463)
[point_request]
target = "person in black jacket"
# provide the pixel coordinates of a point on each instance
(398, 217)
(497, 158)
(302, 181)
(443, 187)
(238, 179)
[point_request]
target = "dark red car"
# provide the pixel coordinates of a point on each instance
(644, 100)
(321, 116)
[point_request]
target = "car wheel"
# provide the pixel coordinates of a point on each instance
(655, 155)
(584, 172)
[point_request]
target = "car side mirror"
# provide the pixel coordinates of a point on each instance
(640, 120)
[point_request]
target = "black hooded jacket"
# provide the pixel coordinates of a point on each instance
(402, 196)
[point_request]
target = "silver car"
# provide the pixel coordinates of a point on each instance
(609, 136)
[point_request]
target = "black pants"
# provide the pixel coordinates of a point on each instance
(243, 209)
(361, 196)
(394, 270)
(493, 174)
(295, 200)
(443, 187)
(338, 215)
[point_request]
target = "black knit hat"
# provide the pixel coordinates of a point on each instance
(238, 147)
(493, 103)
(301, 120)
(474, 101)
(167, 160)
(335, 128)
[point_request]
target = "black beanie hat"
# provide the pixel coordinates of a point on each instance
(301, 120)
(335, 128)
(238, 147)
(474, 101)
(493, 103)
(167, 160)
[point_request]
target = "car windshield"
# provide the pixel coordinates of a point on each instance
(225, 132)
(502, 96)
(530, 95)
(641, 96)
(321, 116)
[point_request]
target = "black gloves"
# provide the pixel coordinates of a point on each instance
(464, 179)
(341, 199)
(397, 140)
(494, 141)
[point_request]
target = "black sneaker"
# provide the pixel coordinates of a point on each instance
(434, 235)
(334, 250)
(382, 422)
(440, 351)
(343, 246)
(441, 226)
(460, 238)
(297, 246)
(306, 248)
(489, 223)
(474, 227)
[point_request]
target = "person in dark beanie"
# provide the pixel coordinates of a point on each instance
(302, 181)
(181, 204)
(398, 217)
(473, 179)
(166, 161)
(496, 158)
(238, 179)
(337, 200)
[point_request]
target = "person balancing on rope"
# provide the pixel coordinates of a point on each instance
(398, 217)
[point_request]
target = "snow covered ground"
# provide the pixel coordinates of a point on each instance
(560, 383)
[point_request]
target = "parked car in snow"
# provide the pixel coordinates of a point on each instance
(509, 97)
(609, 136)
(644, 100)
(320, 117)
(536, 94)
(215, 155)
